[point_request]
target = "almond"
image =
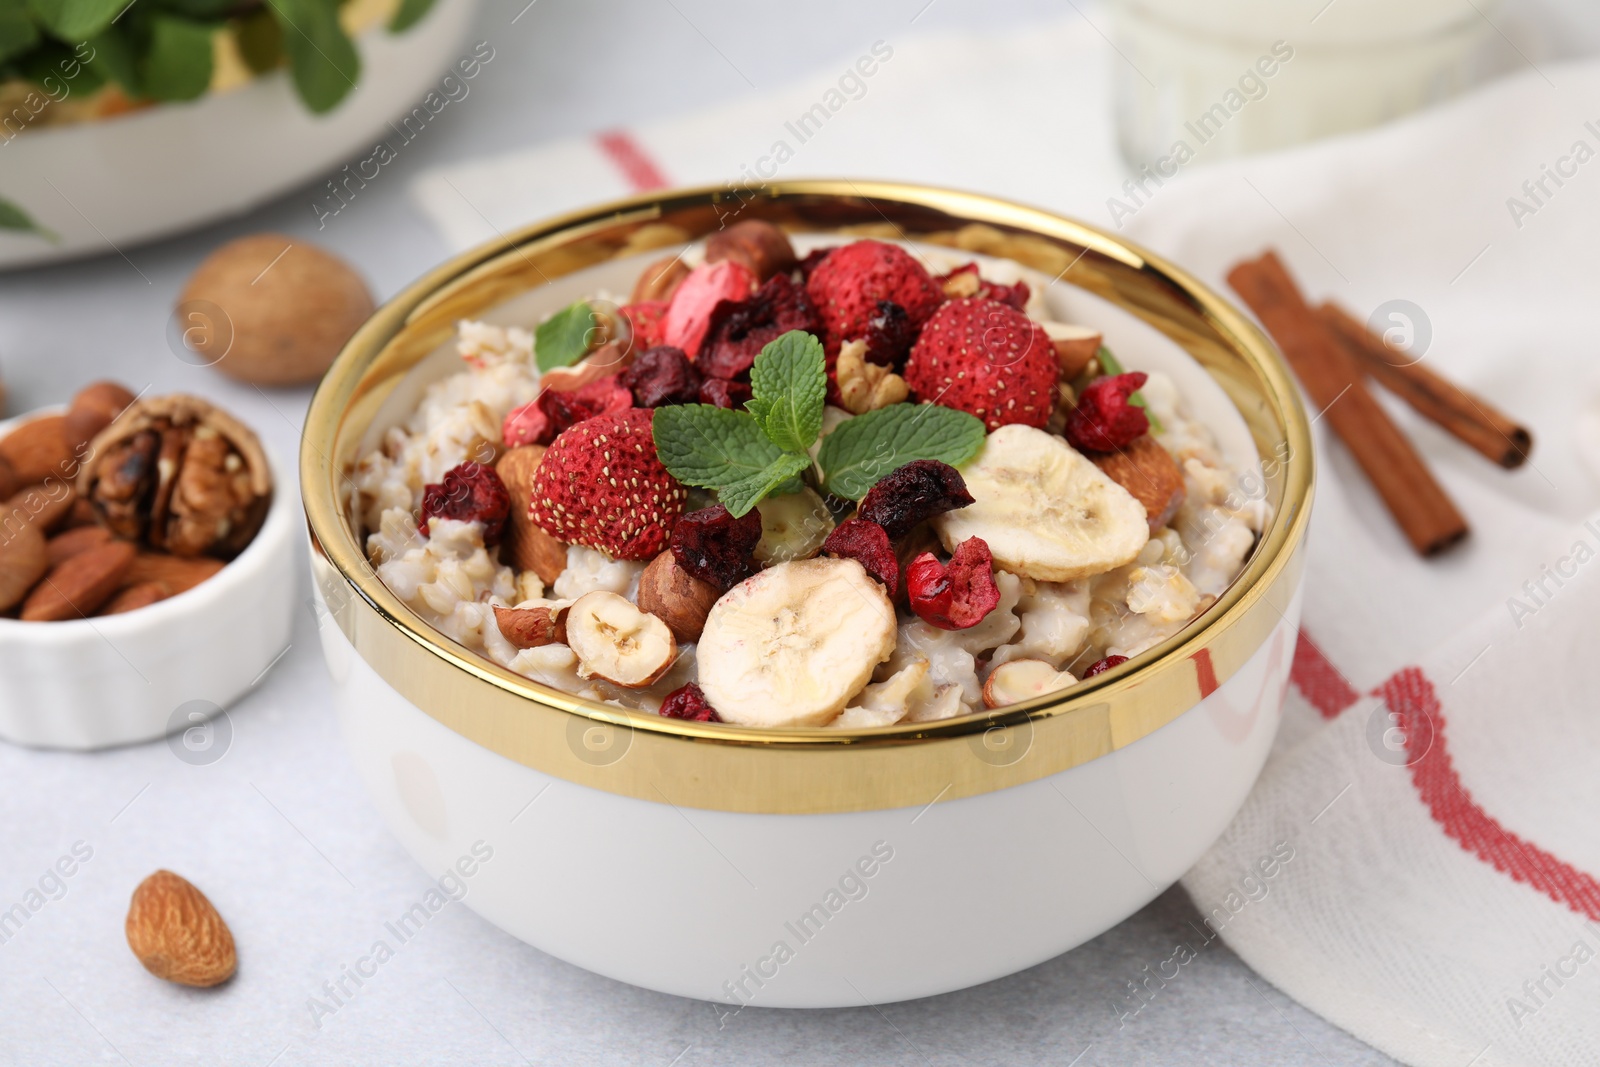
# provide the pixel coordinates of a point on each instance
(134, 597)
(80, 585)
(179, 575)
(525, 546)
(63, 546)
(23, 561)
(39, 449)
(659, 280)
(93, 409)
(9, 483)
(82, 514)
(47, 505)
(177, 934)
(532, 627)
(1150, 474)
(676, 597)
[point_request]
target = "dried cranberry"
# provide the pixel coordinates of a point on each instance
(890, 335)
(662, 375)
(542, 419)
(1015, 295)
(723, 393)
(1104, 421)
(689, 703)
(914, 493)
(957, 595)
(469, 492)
(813, 259)
(1101, 666)
(740, 329)
(868, 544)
(715, 547)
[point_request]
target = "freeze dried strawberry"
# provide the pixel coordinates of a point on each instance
(889, 335)
(846, 286)
(723, 393)
(690, 704)
(987, 359)
(868, 544)
(740, 329)
(914, 493)
(662, 375)
(539, 421)
(1101, 666)
(1104, 421)
(1015, 295)
(957, 595)
(715, 547)
(689, 314)
(470, 492)
(644, 319)
(601, 485)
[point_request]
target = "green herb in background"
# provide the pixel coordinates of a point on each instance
(1109, 364)
(563, 338)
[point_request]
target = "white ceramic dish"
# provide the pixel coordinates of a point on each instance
(119, 679)
(824, 867)
(109, 185)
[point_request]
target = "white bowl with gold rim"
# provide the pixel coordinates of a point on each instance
(811, 868)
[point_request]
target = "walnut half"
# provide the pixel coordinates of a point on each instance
(179, 475)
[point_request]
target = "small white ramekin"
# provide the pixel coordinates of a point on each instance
(119, 679)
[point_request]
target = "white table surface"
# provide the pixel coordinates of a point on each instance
(279, 832)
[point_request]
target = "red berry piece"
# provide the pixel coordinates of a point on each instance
(912, 494)
(527, 425)
(889, 335)
(957, 595)
(846, 286)
(868, 544)
(469, 492)
(689, 703)
(723, 393)
(547, 415)
(688, 316)
(813, 259)
(1103, 665)
(1014, 295)
(644, 318)
(987, 359)
(601, 485)
(739, 330)
(715, 547)
(662, 375)
(1104, 421)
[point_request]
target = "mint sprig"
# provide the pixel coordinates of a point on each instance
(860, 451)
(1109, 364)
(746, 455)
(563, 338)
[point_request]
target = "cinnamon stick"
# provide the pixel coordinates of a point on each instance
(1471, 419)
(1335, 384)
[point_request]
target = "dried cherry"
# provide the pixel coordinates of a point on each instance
(469, 492)
(890, 335)
(1104, 421)
(715, 547)
(868, 544)
(914, 493)
(723, 393)
(1101, 666)
(689, 703)
(740, 329)
(957, 595)
(662, 375)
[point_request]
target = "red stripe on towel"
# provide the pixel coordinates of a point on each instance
(634, 163)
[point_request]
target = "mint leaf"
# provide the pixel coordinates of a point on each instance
(749, 491)
(789, 381)
(408, 14)
(13, 217)
(1109, 364)
(563, 338)
(177, 65)
(17, 31)
(322, 60)
(76, 20)
(864, 449)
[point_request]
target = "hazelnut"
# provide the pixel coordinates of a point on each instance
(1075, 346)
(93, 409)
(532, 627)
(759, 245)
(289, 308)
(659, 280)
(676, 597)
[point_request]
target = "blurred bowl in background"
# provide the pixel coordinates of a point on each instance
(110, 184)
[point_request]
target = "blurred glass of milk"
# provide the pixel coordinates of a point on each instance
(1207, 79)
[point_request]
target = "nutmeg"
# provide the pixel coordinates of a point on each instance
(659, 280)
(676, 597)
(287, 308)
(756, 244)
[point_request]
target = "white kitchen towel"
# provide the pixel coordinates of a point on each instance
(1439, 895)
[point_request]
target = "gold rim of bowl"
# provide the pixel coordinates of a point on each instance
(795, 771)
